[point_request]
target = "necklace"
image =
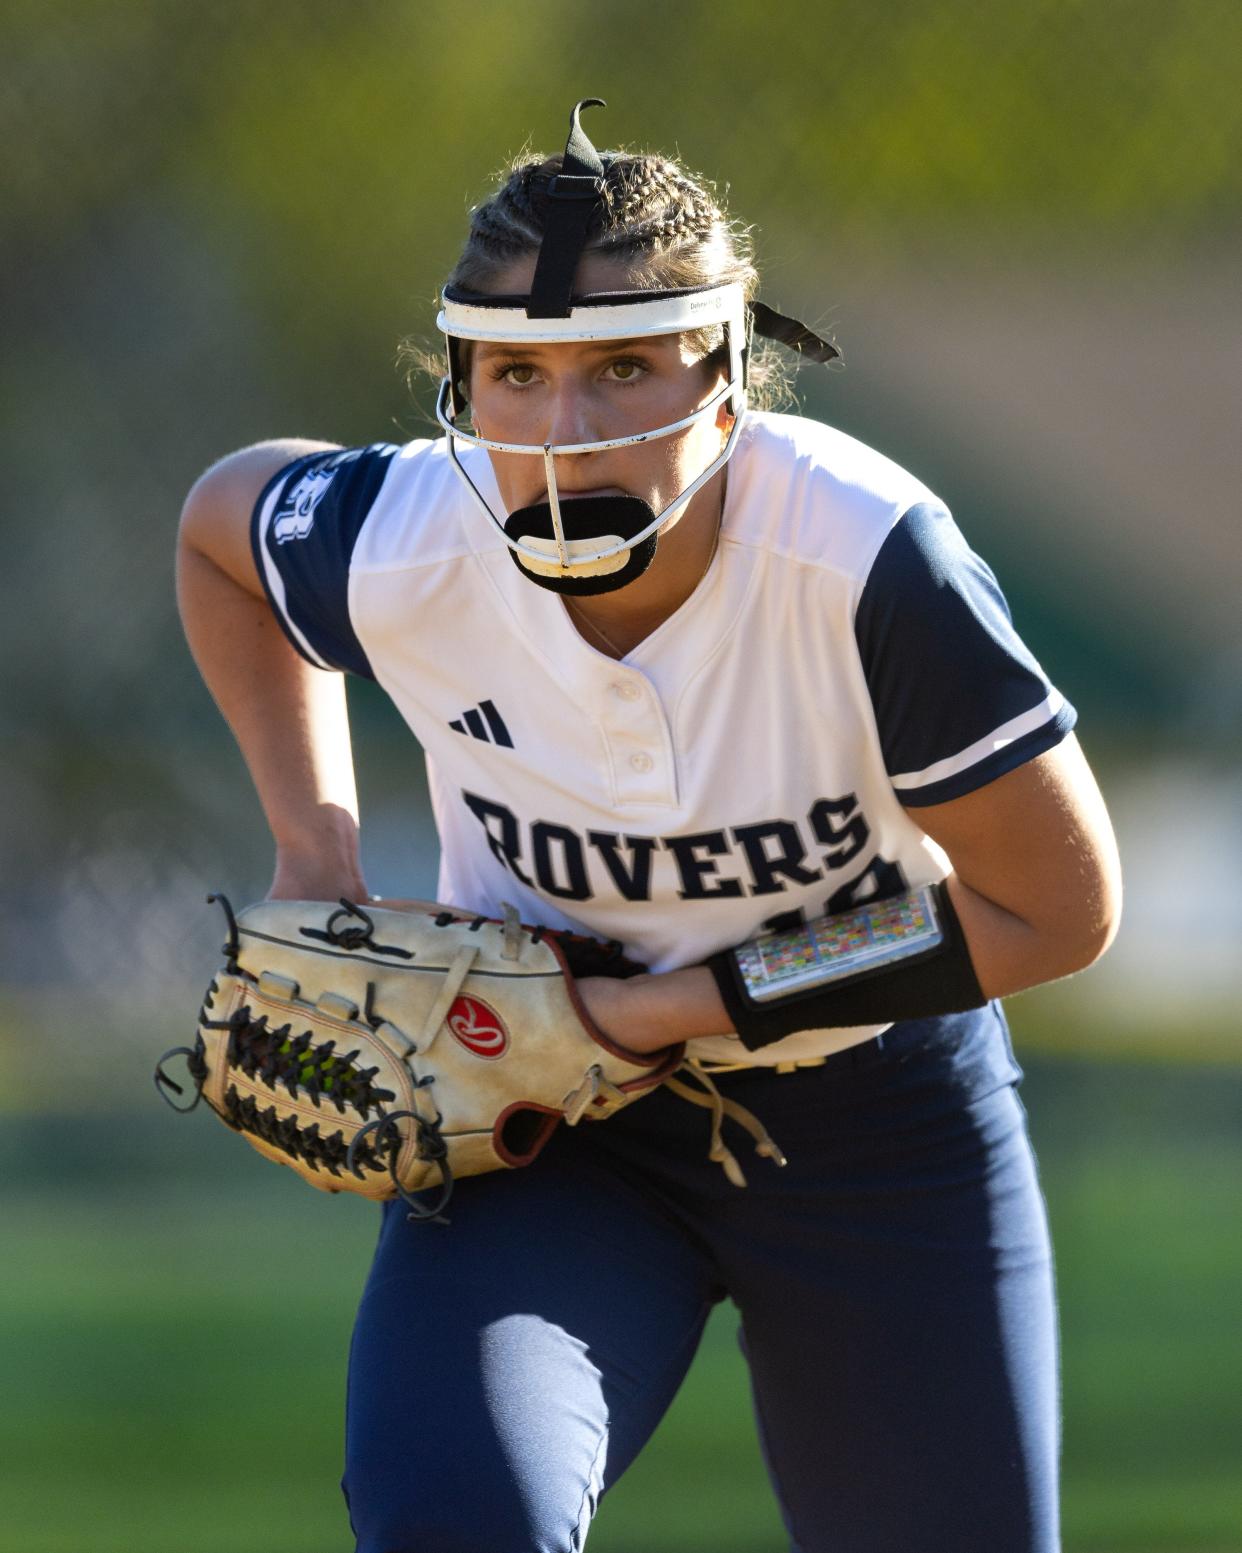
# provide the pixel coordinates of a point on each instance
(602, 636)
(593, 629)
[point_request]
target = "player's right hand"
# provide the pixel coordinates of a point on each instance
(300, 878)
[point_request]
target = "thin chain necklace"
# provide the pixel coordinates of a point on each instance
(593, 628)
(603, 636)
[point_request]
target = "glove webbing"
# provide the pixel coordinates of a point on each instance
(327, 1151)
(275, 1056)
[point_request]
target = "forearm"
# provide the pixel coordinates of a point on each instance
(290, 722)
(1043, 901)
(1009, 953)
(648, 1012)
(1006, 952)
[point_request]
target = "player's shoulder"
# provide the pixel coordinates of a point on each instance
(807, 491)
(231, 484)
(393, 504)
(422, 514)
(334, 483)
(217, 514)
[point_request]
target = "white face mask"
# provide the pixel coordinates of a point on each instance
(606, 541)
(595, 544)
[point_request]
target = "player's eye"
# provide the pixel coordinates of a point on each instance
(519, 373)
(626, 369)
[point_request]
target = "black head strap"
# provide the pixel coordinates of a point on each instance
(574, 195)
(772, 325)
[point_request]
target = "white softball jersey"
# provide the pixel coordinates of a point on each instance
(760, 758)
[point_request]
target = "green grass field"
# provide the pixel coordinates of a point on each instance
(174, 1354)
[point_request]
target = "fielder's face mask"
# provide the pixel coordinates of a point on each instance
(596, 544)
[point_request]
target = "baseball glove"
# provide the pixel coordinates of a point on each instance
(387, 1051)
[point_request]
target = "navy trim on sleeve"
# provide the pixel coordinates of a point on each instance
(303, 543)
(1007, 758)
(958, 698)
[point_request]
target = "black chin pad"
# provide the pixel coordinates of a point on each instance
(587, 517)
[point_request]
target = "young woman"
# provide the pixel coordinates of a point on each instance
(683, 671)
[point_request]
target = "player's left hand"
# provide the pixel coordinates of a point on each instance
(384, 1052)
(648, 1013)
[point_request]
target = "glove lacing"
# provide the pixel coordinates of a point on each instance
(430, 1142)
(713, 1101)
(595, 1086)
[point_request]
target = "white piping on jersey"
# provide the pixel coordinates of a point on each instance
(1015, 728)
(276, 582)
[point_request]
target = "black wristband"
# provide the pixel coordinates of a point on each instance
(943, 981)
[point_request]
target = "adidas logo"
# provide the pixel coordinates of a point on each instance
(474, 726)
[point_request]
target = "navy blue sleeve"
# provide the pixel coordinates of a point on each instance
(302, 533)
(958, 698)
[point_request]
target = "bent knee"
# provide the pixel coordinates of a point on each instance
(491, 1519)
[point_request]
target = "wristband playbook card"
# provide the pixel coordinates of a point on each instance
(844, 946)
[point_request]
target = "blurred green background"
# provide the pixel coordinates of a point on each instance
(217, 221)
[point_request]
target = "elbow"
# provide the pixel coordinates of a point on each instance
(1107, 897)
(1096, 941)
(1088, 933)
(1100, 887)
(1073, 925)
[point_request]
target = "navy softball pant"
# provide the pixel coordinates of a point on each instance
(894, 1284)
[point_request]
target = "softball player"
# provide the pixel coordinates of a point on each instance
(684, 671)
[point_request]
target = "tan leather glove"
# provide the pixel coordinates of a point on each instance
(386, 1051)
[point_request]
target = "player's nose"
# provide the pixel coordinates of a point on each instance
(570, 418)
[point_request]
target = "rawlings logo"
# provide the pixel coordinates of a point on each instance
(479, 1028)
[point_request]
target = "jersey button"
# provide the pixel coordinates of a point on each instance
(641, 762)
(626, 690)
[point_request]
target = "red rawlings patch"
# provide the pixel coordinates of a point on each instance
(479, 1028)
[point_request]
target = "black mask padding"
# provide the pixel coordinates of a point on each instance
(587, 517)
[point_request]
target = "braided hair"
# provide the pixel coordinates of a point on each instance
(653, 213)
(664, 224)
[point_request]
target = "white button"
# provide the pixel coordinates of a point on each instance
(641, 762)
(627, 690)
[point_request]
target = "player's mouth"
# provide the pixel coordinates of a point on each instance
(540, 494)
